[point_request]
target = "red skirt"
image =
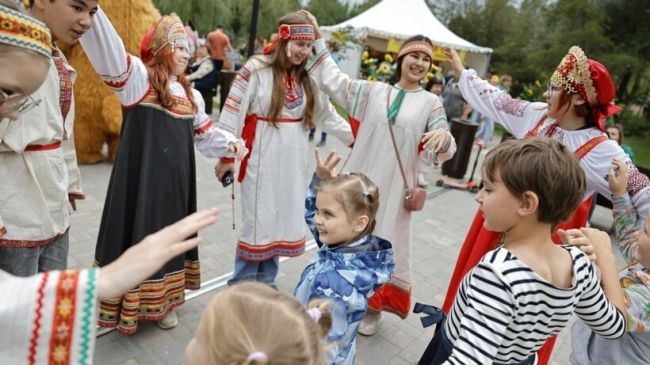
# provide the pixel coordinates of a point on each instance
(480, 240)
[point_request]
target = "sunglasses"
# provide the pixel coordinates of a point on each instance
(11, 102)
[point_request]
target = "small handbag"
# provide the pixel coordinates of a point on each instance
(415, 196)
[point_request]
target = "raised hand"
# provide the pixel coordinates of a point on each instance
(617, 177)
(313, 22)
(326, 170)
(456, 64)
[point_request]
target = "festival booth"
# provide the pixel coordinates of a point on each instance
(386, 25)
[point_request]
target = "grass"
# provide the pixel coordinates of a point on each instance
(642, 149)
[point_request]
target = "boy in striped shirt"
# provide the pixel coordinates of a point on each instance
(525, 290)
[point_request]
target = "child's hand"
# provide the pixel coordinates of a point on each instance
(617, 177)
(601, 243)
(327, 170)
(577, 238)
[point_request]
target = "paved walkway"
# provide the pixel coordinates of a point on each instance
(438, 231)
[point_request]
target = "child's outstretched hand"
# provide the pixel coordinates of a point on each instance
(576, 237)
(145, 258)
(326, 170)
(617, 177)
(456, 64)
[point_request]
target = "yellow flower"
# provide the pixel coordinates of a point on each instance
(537, 83)
(529, 92)
(429, 76)
(364, 55)
(371, 78)
(388, 58)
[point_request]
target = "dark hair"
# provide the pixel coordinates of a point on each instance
(219, 26)
(544, 166)
(190, 23)
(415, 38)
(433, 81)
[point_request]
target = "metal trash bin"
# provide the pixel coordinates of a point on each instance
(463, 131)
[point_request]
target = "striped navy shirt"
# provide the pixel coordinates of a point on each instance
(504, 311)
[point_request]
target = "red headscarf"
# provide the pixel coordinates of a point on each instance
(589, 79)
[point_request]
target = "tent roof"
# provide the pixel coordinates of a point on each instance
(404, 18)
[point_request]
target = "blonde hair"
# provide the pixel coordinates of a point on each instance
(357, 194)
(252, 317)
(280, 64)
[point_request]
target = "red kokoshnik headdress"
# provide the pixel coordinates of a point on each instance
(292, 32)
(168, 31)
(589, 79)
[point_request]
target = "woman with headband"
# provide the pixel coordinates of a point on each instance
(578, 99)
(272, 105)
(419, 125)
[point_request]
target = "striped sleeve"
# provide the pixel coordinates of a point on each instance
(351, 94)
(486, 317)
(236, 105)
(593, 307)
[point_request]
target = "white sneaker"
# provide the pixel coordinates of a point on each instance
(422, 181)
(370, 323)
(169, 321)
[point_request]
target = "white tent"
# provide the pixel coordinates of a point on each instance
(399, 20)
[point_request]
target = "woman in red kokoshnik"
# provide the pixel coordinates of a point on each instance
(578, 100)
(272, 105)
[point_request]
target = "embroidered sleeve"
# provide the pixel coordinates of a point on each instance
(353, 95)
(237, 104)
(626, 223)
(517, 116)
(597, 164)
(330, 121)
(208, 139)
(125, 74)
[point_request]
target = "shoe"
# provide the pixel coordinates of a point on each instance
(321, 143)
(370, 323)
(169, 321)
(422, 181)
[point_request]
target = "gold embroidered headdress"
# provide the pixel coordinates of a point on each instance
(168, 31)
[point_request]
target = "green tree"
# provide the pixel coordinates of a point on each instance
(328, 12)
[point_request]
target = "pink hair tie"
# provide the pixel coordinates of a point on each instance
(315, 314)
(257, 356)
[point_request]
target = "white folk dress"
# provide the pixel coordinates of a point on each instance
(373, 153)
(274, 177)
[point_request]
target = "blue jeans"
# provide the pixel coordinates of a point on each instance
(260, 271)
(486, 130)
(21, 261)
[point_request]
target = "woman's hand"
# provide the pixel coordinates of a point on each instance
(221, 168)
(239, 150)
(456, 64)
(313, 22)
(327, 170)
(435, 140)
(617, 177)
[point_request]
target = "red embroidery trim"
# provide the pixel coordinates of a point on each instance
(65, 86)
(64, 314)
(43, 147)
(33, 342)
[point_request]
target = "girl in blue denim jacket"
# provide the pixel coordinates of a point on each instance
(351, 263)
